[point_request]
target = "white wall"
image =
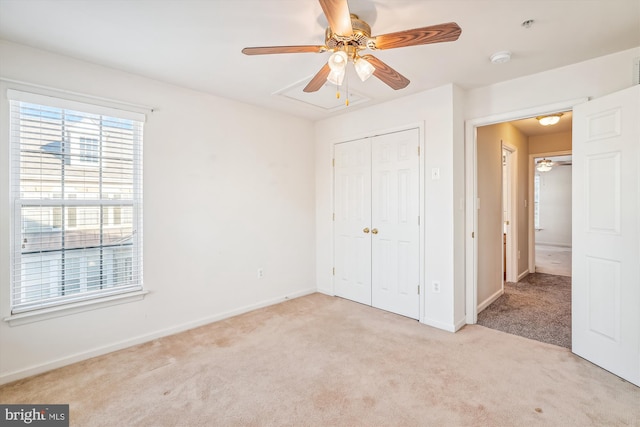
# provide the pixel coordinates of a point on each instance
(593, 78)
(459, 273)
(439, 111)
(228, 189)
(555, 207)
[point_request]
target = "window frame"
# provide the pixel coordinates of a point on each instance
(83, 300)
(87, 150)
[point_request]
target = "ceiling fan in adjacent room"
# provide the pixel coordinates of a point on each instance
(347, 36)
(545, 165)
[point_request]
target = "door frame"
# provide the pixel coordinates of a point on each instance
(511, 264)
(471, 190)
(530, 206)
(421, 198)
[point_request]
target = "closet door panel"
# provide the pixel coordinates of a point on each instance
(352, 236)
(394, 222)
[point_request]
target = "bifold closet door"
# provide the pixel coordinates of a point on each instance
(352, 223)
(376, 223)
(395, 214)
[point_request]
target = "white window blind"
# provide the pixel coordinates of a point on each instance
(76, 192)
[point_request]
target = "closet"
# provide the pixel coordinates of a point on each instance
(377, 222)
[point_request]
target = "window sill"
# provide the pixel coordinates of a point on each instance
(78, 307)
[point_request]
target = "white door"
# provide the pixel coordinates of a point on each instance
(606, 233)
(376, 228)
(394, 223)
(352, 223)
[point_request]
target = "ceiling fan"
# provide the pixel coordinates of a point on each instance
(545, 165)
(348, 35)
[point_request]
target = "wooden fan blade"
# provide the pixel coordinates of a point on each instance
(434, 34)
(337, 13)
(387, 74)
(267, 50)
(318, 80)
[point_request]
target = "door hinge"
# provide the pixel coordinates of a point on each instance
(418, 289)
(333, 271)
(473, 234)
(333, 163)
(418, 219)
(334, 216)
(418, 150)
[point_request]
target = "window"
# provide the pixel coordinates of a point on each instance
(76, 191)
(89, 150)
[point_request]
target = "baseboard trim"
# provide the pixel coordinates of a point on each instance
(449, 327)
(99, 351)
(486, 303)
(460, 323)
(523, 275)
(558, 245)
(326, 292)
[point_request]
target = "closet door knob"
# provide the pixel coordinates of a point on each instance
(366, 230)
(374, 231)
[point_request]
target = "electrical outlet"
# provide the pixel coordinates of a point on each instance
(435, 287)
(260, 273)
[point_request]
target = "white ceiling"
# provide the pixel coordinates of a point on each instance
(197, 43)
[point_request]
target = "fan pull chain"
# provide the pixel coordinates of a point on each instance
(346, 102)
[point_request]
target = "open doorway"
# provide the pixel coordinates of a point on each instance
(552, 215)
(528, 299)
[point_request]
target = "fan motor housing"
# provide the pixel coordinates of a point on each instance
(358, 40)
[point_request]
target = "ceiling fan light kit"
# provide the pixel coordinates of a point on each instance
(544, 165)
(347, 35)
(336, 77)
(338, 61)
(363, 68)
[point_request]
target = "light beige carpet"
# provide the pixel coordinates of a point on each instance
(324, 361)
(553, 260)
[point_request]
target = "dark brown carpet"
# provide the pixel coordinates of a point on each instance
(537, 307)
